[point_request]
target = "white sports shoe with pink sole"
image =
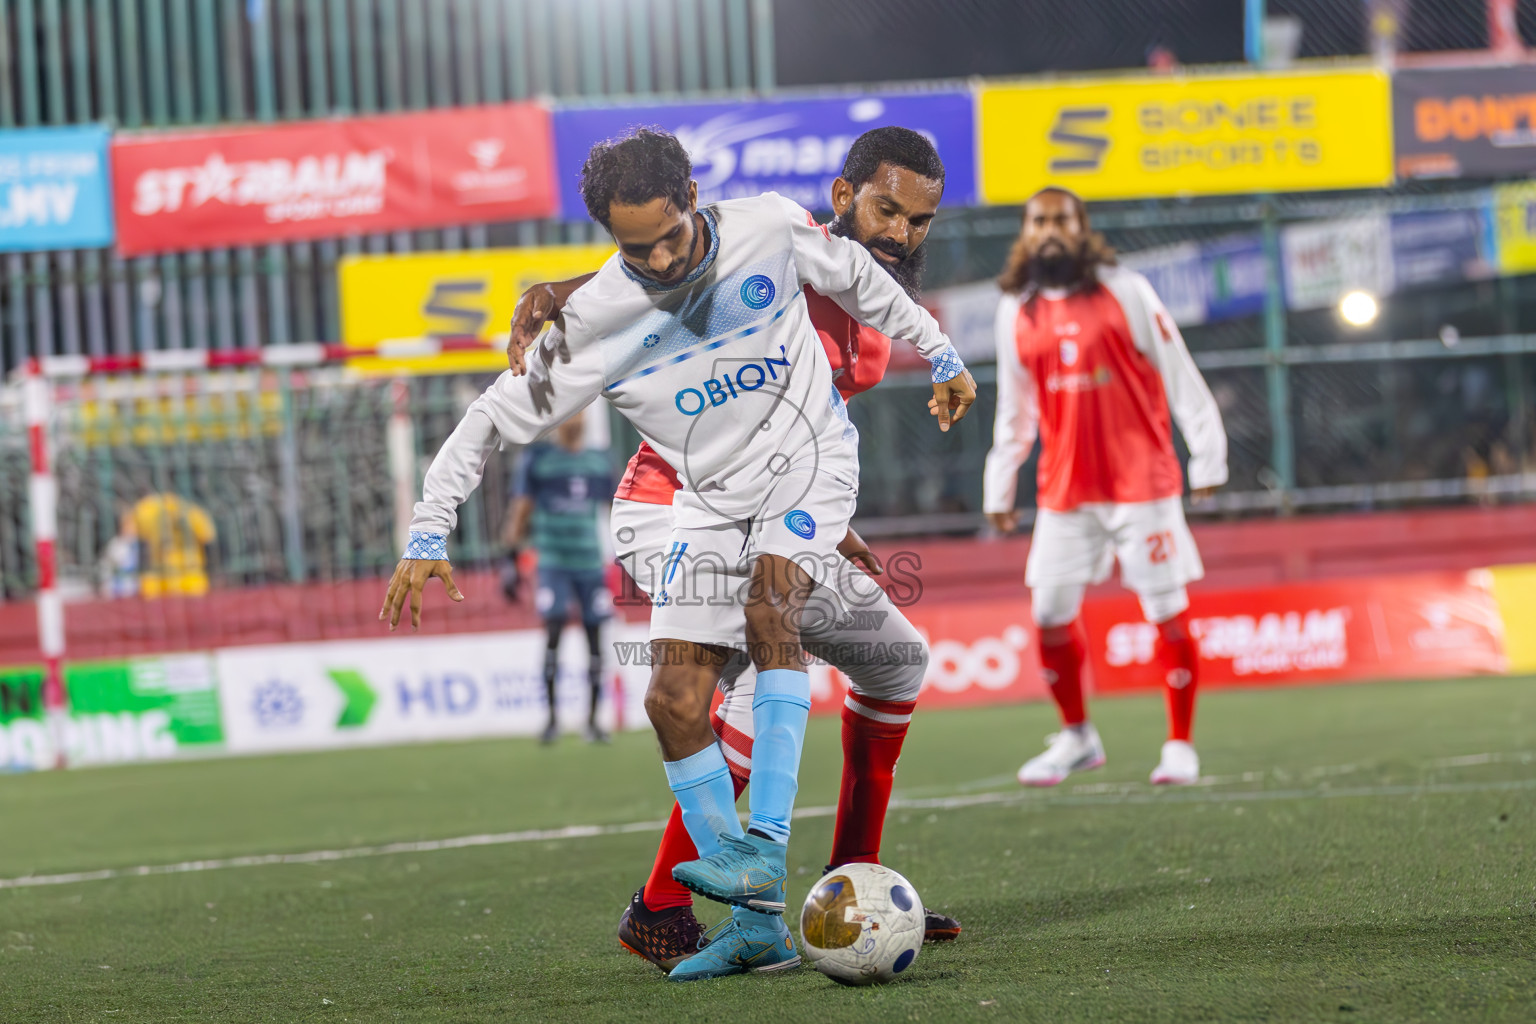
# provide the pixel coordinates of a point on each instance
(1179, 766)
(1074, 749)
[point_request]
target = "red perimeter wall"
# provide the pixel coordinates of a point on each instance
(1248, 554)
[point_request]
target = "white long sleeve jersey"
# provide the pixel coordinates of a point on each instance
(722, 373)
(1095, 372)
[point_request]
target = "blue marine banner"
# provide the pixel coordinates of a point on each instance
(54, 191)
(1233, 269)
(1433, 247)
(794, 147)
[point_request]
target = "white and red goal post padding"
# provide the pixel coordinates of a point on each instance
(38, 378)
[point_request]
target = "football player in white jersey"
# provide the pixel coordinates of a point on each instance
(697, 331)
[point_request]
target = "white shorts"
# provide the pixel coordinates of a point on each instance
(863, 633)
(701, 584)
(1150, 539)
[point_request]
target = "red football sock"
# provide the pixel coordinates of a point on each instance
(1061, 664)
(661, 891)
(873, 731)
(1180, 662)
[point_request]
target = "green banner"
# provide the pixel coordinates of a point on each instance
(143, 709)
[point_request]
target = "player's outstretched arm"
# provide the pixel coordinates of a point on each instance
(408, 582)
(536, 307)
(845, 272)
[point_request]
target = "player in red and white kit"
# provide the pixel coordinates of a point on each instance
(1089, 360)
(885, 199)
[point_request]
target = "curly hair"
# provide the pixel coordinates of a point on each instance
(1096, 252)
(633, 169)
(901, 147)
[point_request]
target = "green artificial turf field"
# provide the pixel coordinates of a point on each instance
(1363, 853)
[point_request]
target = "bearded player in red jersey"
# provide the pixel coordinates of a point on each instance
(886, 199)
(1089, 359)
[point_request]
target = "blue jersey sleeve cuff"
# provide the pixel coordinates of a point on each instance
(431, 547)
(946, 365)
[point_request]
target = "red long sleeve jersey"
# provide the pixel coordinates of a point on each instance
(1100, 374)
(858, 355)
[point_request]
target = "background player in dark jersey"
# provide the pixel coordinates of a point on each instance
(557, 494)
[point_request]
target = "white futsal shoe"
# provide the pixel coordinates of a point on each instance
(1074, 749)
(1180, 765)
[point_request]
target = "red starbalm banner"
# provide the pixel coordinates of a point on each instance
(318, 179)
(1416, 626)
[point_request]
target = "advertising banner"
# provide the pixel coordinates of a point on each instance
(368, 692)
(1324, 260)
(1135, 137)
(1432, 247)
(53, 188)
(1201, 282)
(1234, 270)
(1177, 276)
(791, 146)
(1464, 122)
(147, 709)
(1514, 217)
(435, 294)
(1419, 626)
(315, 179)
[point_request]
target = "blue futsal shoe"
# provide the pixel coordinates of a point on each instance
(747, 872)
(745, 941)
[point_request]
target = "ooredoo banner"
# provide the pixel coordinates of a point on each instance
(193, 190)
(795, 147)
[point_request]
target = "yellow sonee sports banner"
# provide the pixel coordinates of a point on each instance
(1129, 138)
(1514, 220)
(438, 294)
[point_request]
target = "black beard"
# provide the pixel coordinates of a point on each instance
(909, 266)
(1058, 270)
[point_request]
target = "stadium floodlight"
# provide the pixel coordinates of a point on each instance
(1359, 309)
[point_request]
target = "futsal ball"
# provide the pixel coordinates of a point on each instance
(862, 924)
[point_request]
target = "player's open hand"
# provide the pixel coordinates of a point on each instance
(953, 398)
(853, 548)
(409, 580)
(535, 308)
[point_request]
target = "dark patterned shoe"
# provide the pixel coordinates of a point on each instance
(940, 927)
(664, 937)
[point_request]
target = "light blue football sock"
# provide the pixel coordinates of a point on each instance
(702, 784)
(779, 710)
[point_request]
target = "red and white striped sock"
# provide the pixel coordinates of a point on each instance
(873, 731)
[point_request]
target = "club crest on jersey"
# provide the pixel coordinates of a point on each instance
(800, 523)
(1068, 352)
(757, 291)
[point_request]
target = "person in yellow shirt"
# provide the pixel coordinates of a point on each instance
(173, 536)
